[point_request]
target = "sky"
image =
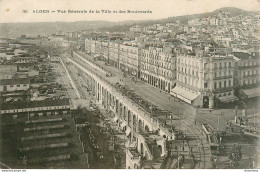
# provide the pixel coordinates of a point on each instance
(12, 10)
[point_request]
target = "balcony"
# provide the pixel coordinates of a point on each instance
(220, 90)
(245, 67)
(222, 77)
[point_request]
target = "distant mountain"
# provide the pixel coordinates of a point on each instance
(42, 28)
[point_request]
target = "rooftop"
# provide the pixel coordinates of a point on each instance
(33, 104)
(242, 55)
(14, 81)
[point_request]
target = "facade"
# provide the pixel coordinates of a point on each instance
(201, 79)
(129, 59)
(25, 60)
(114, 47)
(19, 84)
(136, 28)
(23, 67)
(105, 50)
(247, 74)
(88, 42)
(42, 107)
(158, 67)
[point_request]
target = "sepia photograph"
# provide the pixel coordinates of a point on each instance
(129, 84)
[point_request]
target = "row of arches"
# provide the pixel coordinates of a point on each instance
(157, 82)
(111, 102)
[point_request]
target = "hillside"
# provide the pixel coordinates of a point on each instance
(40, 28)
(183, 19)
(45, 28)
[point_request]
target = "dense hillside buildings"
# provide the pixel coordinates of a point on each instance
(197, 75)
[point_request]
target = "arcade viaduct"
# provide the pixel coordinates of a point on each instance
(130, 116)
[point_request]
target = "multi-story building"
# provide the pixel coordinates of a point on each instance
(114, 47)
(129, 59)
(158, 67)
(136, 28)
(105, 50)
(15, 84)
(246, 77)
(88, 42)
(202, 79)
(93, 46)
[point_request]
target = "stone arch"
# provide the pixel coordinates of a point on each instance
(134, 122)
(160, 148)
(117, 106)
(120, 109)
(124, 113)
(142, 149)
(135, 166)
(146, 128)
(129, 118)
(134, 119)
(140, 124)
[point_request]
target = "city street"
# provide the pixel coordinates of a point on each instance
(202, 153)
(189, 117)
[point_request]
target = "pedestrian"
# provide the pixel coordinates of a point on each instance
(195, 122)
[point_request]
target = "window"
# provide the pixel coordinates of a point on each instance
(215, 85)
(205, 85)
(220, 65)
(215, 74)
(225, 64)
(205, 65)
(230, 64)
(219, 84)
(24, 85)
(225, 84)
(11, 86)
(205, 75)
(229, 83)
(215, 65)
(18, 85)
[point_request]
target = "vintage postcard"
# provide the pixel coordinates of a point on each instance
(129, 84)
